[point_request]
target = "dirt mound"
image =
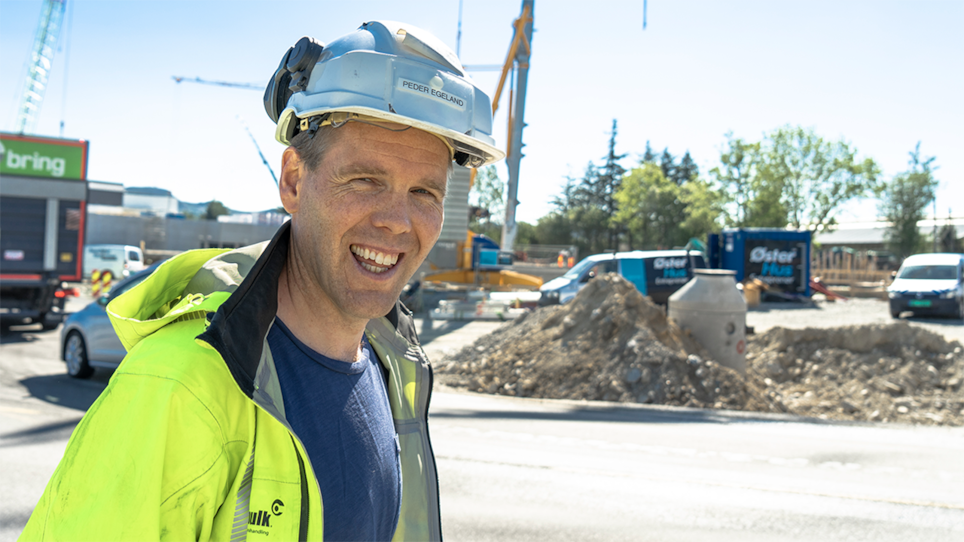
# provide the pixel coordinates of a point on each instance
(612, 344)
(609, 343)
(894, 372)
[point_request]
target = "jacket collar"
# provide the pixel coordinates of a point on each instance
(239, 327)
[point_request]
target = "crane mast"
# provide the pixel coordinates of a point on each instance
(519, 53)
(38, 70)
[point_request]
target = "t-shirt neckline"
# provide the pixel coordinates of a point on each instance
(344, 367)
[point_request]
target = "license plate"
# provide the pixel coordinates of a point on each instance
(919, 303)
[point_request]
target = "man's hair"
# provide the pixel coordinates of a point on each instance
(312, 149)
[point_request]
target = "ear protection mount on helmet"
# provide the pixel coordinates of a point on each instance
(292, 75)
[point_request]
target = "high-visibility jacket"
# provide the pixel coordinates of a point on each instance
(189, 441)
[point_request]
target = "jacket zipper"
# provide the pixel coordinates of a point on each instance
(303, 522)
(431, 452)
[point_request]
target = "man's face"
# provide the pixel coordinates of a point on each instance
(366, 218)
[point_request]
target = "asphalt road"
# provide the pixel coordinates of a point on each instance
(548, 470)
(513, 469)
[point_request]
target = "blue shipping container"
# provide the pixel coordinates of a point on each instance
(780, 258)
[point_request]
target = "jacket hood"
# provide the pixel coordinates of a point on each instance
(236, 291)
(187, 286)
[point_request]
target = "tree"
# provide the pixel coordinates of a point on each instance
(947, 239)
(215, 209)
(586, 214)
(686, 170)
(609, 178)
(646, 208)
(565, 201)
(903, 201)
(488, 198)
(590, 205)
(817, 176)
(667, 164)
(658, 213)
(526, 234)
(703, 207)
(555, 228)
(748, 199)
(648, 156)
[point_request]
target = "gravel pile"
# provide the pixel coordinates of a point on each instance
(893, 372)
(610, 343)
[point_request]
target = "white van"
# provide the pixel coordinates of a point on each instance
(121, 260)
(929, 284)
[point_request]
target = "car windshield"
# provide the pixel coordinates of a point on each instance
(929, 272)
(576, 271)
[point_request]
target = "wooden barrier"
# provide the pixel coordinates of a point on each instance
(851, 277)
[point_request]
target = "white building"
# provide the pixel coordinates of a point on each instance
(156, 200)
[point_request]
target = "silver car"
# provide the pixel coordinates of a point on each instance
(88, 340)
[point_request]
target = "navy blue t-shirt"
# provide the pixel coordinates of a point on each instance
(340, 412)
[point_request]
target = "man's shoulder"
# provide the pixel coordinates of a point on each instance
(174, 355)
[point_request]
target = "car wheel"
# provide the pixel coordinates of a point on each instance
(75, 354)
(895, 315)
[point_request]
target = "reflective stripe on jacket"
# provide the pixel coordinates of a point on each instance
(189, 440)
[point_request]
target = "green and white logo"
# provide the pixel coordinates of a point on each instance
(41, 159)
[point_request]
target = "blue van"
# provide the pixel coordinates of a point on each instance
(655, 273)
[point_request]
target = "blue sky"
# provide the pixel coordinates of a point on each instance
(881, 74)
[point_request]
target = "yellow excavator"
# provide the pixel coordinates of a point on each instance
(481, 264)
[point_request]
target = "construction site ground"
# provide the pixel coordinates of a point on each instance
(847, 360)
(824, 314)
(442, 339)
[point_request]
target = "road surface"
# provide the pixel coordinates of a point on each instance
(516, 470)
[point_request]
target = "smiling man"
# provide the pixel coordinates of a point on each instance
(278, 391)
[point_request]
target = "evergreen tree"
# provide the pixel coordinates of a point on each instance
(649, 156)
(610, 178)
(588, 214)
(567, 200)
(668, 164)
(686, 170)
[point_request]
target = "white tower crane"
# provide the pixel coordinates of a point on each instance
(38, 70)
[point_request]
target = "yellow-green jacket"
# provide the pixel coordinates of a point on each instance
(189, 440)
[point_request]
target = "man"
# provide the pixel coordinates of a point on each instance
(278, 392)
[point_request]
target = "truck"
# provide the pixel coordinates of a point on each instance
(778, 257)
(43, 197)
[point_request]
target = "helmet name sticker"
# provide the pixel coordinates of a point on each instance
(445, 97)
